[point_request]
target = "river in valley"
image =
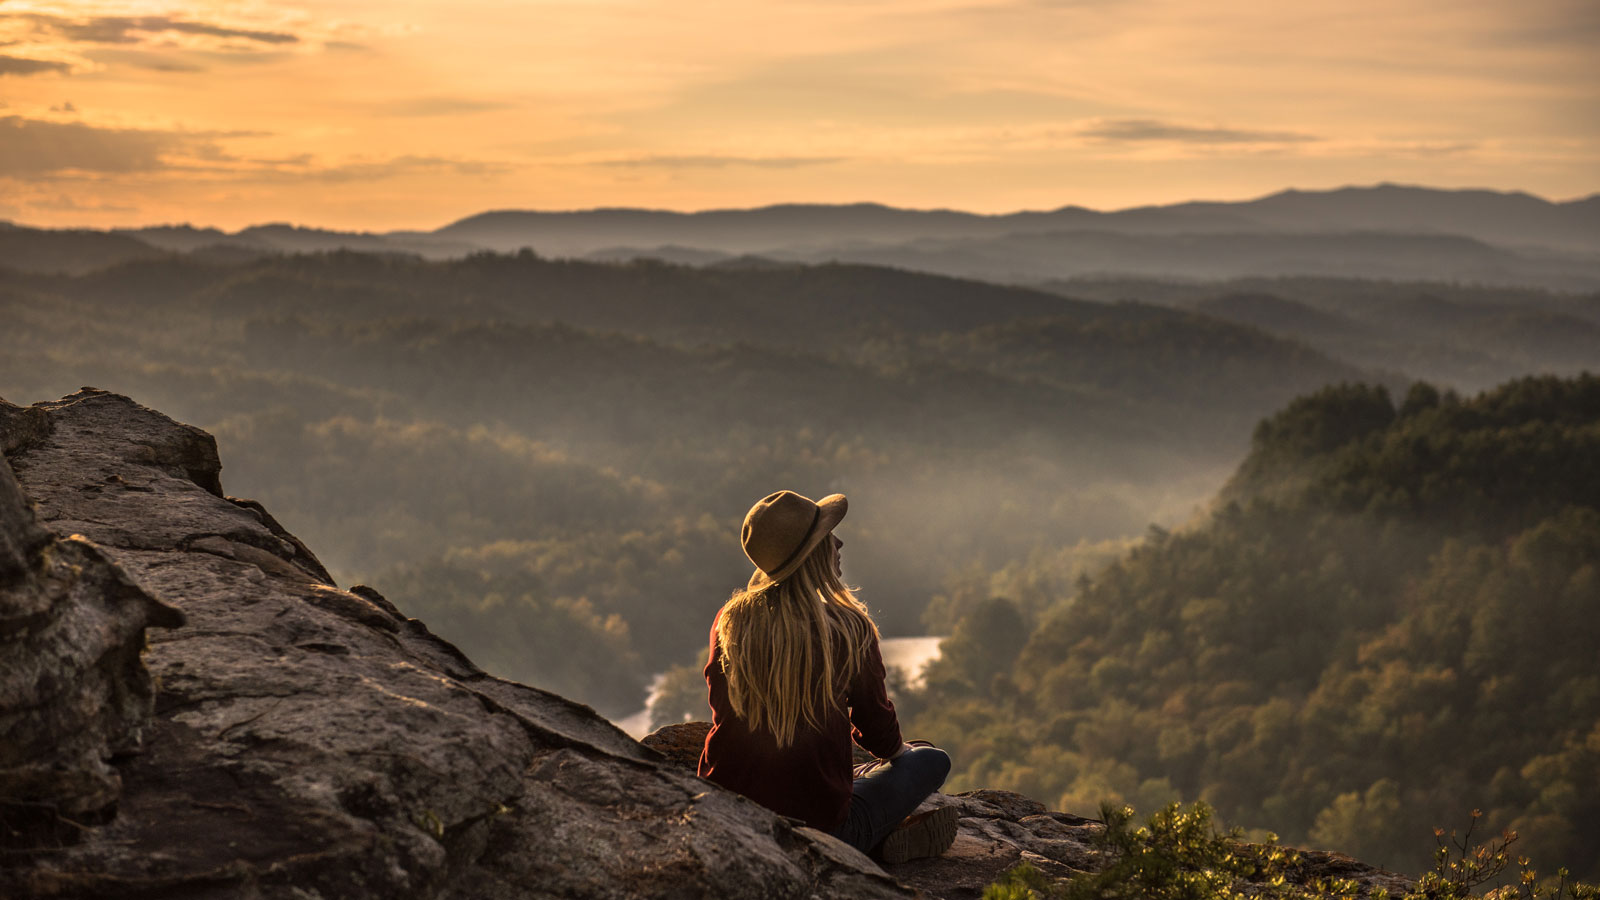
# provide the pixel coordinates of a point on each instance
(908, 654)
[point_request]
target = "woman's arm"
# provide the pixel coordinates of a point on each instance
(872, 717)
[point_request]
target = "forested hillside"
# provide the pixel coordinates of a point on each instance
(1027, 258)
(548, 460)
(1389, 618)
(1468, 336)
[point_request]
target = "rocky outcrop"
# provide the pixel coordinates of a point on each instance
(303, 741)
(73, 690)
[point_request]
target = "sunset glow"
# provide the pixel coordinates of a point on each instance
(357, 114)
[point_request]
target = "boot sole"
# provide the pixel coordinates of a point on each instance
(928, 835)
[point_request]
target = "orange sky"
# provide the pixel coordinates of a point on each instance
(413, 113)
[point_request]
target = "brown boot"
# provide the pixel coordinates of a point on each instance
(920, 836)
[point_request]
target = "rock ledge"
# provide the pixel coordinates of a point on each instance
(303, 741)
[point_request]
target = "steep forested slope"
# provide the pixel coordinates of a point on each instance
(1388, 619)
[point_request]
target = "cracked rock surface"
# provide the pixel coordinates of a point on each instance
(291, 739)
(73, 691)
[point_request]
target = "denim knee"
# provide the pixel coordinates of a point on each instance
(931, 763)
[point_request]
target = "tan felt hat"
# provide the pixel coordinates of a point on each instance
(783, 528)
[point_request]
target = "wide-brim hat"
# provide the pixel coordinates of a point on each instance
(782, 529)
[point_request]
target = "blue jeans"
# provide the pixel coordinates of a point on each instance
(883, 797)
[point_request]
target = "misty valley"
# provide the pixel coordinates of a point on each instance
(1320, 549)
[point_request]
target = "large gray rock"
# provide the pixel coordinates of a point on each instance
(311, 742)
(73, 691)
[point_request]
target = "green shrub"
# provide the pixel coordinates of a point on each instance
(1180, 855)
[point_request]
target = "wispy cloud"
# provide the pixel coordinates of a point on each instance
(439, 106)
(50, 150)
(711, 161)
(1157, 130)
(47, 42)
(64, 203)
(148, 60)
(140, 29)
(1424, 149)
(16, 65)
(32, 147)
(377, 169)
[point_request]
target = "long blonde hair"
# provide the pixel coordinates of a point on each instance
(780, 647)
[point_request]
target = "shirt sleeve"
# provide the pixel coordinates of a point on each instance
(874, 724)
(716, 681)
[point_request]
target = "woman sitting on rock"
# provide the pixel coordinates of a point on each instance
(795, 673)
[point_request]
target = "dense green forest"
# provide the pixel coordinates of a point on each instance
(548, 459)
(1388, 618)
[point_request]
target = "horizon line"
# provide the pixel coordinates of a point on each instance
(841, 205)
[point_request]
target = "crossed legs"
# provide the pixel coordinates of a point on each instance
(883, 797)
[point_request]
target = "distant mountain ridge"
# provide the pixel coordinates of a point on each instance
(1511, 219)
(1030, 258)
(1382, 231)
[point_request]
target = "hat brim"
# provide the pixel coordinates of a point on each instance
(830, 511)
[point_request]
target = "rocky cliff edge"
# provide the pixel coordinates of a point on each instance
(285, 738)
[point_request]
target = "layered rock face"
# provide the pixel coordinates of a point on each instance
(303, 741)
(73, 691)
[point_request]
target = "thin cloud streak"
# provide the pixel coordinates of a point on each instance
(17, 65)
(138, 29)
(144, 60)
(708, 161)
(376, 170)
(423, 107)
(1156, 130)
(31, 148)
(43, 149)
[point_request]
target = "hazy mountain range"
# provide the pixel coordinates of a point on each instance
(1467, 337)
(578, 439)
(1509, 219)
(1386, 231)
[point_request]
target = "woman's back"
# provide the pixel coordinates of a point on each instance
(809, 778)
(795, 675)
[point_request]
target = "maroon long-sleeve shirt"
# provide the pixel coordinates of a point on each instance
(811, 778)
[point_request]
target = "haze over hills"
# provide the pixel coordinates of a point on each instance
(1034, 257)
(524, 447)
(1469, 338)
(1509, 219)
(1386, 231)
